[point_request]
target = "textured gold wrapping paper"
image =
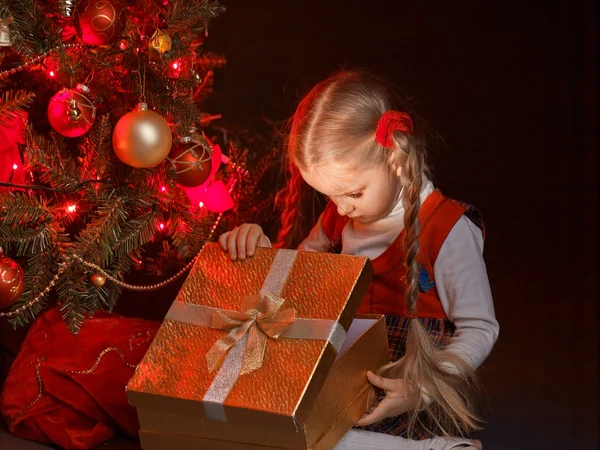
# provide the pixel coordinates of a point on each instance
(338, 406)
(173, 376)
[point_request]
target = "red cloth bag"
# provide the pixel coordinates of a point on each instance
(11, 134)
(69, 390)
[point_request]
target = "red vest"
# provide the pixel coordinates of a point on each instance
(386, 293)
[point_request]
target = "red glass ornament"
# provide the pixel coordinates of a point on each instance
(71, 113)
(191, 158)
(12, 281)
(100, 22)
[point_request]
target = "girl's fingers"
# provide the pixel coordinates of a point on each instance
(223, 240)
(386, 384)
(379, 413)
(241, 240)
(254, 235)
(231, 243)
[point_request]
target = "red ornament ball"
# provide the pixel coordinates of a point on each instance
(12, 281)
(71, 113)
(191, 158)
(99, 22)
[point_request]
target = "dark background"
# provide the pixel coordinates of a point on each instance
(511, 88)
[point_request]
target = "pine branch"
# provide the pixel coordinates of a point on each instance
(40, 269)
(12, 103)
(19, 208)
(97, 151)
(26, 240)
(111, 292)
(190, 233)
(181, 109)
(60, 172)
(183, 15)
(70, 292)
(135, 234)
(105, 297)
(31, 31)
(96, 242)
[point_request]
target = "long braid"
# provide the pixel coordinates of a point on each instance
(412, 182)
(298, 212)
(444, 377)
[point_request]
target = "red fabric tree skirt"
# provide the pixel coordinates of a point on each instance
(70, 390)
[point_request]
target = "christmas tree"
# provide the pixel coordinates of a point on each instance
(106, 154)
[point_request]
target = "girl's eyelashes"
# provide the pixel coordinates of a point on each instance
(353, 195)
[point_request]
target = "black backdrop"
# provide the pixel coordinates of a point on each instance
(510, 86)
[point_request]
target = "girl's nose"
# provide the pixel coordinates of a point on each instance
(344, 209)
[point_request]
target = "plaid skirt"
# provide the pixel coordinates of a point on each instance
(440, 331)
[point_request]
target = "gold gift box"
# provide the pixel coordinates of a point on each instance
(302, 397)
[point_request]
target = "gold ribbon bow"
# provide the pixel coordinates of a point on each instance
(260, 319)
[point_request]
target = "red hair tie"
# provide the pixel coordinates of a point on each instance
(414, 314)
(389, 122)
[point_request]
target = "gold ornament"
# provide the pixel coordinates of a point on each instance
(159, 44)
(142, 138)
(98, 280)
(66, 8)
(74, 112)
(5, 31)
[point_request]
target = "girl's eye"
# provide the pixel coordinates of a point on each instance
(356, 195)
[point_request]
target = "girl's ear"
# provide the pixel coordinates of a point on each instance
(395, 164)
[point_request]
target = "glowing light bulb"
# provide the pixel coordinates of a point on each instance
(72, 208)
(175, 66)
(15, 167)
(52, 73)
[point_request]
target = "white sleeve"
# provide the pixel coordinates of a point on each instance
(462, 284)
(317, 240)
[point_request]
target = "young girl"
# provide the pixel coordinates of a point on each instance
(353, 142)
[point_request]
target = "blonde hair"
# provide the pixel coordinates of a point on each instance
(337, 122)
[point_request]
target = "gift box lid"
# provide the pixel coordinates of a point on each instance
(286, 308)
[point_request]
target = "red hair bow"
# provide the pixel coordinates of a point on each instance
(389, 122)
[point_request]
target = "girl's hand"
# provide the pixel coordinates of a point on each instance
(399, 398)
(243, 240)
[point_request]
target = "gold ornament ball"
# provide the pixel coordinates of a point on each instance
(142, 138)
(74, 112)
(98, 280)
